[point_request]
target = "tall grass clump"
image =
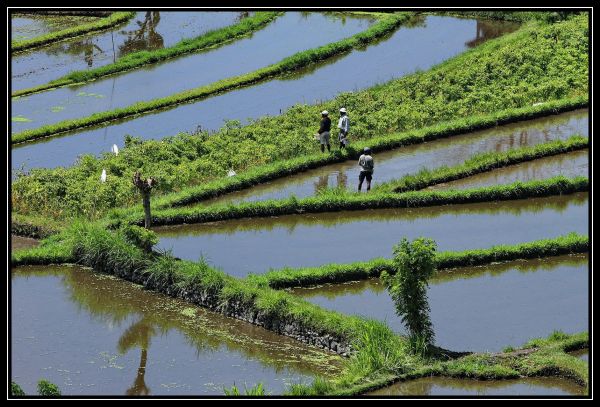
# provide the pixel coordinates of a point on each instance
(16, 390)
(414, 264)
(257, 390)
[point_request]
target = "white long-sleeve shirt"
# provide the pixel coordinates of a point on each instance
(344, 123)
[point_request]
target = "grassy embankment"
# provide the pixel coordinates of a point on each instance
(138, 59)
(56, 36)
(540, 63)
(333, 200)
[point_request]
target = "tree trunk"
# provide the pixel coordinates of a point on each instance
(148, 216)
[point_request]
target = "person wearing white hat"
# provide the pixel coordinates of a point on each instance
(344, 126)
(324, 131)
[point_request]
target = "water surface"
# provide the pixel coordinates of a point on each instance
(93, 334)
(18, 242)
(573, 164)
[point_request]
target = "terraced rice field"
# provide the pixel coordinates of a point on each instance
(266, 276)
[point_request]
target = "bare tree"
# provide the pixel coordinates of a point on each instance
(145, 186)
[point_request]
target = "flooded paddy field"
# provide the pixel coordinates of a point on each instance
(420, 46)
(95, 334)
(288, 34)
(481, 309)
(147, 30)
(255, 245)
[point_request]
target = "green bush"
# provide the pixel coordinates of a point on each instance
(47, 389)
(16, 390)
(414, 263)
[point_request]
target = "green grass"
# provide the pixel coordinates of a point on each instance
(287, 65)
(483, 162)
(138, 59)
(539, 63)
(99, 25)
(336, 273)
(333, 200)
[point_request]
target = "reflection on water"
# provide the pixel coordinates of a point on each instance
(145, 37)
(27, 26)
(143, 31)
(96, 334)
(583, 354)
(445, 386)
(480, 308)
(488, 29)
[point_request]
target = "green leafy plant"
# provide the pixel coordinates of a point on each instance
(45, 388)
(414, 264)
(257, 390)
(16, 390)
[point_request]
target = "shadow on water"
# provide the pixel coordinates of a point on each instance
(93, 334)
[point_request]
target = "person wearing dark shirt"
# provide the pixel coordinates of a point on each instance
(324, 131)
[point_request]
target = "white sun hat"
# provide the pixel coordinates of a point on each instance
(325, 112)
(343, 110)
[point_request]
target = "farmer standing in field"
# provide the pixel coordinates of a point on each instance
(367, 166)
(324, 131)
(344, 126)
